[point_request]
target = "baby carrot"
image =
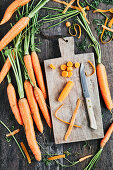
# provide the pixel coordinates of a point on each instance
(66, 91)
(13, 133)
(72, 120)
(56, 157)
(13, 103)
(26, 152)
(33, 105)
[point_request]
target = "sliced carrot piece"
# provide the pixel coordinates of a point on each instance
(64, 73)
(63, 67)
(68, 24)
(70, 73)
(52, 66)
(69, 64)
(77, 65)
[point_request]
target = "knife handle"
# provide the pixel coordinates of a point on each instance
(93, 124)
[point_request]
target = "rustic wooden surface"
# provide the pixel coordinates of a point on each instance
(55, 84)
(10, 156)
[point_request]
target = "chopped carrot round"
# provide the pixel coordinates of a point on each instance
(63, 67)
(70, 74)
(87, 8)
(64, 73)
(69, 68)
(52, 66)
(77, 65)
(68, 24)
(69, 64)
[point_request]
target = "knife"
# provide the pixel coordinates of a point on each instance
(86, 94)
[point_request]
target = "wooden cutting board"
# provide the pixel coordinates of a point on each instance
(55, 84)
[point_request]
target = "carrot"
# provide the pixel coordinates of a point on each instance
(38, 73)
(84, 158)
(68, 24)
(72, 120)
(103, 83)
(52, 66)
(63, 67)
(26, 152)
(29, 128)
(29, 67)
(66, 91)
(92, 67)
(5, 69)
(103, 142)
(77, 65)
(69, 68)
(68, 6)
(79, 30)
(110, 23)
(107, 136)
(33, 105)
(13, 133)
(13, 103)
(64, 73)
(74, 35)
(42, 104)
(11, 9)
(69, 64)
(63, 120)
(56, 157)
(70, 73)
(14, 31)
(106, 28)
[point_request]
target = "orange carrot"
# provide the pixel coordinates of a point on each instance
(92, 67)
(29, 67)
(68, 24)
(13, 103)
(11, 9)
(68, 6)
(106, 28)
(14, 31)
(72, 120)
(5, 69)
(42, 104)
(110, 23)
(69, 64)
(103, 83)
(13, 133)
(64, 73)
(84, 158)
(33, 105)
(52, 66)
(63, 67)
(66, 91)
(26, 152)
(77, 65)
(70, 73)
(38, 73)
(69, 68)
(56, 157)
(29, 128)
(107, 136)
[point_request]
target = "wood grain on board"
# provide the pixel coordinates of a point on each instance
(55, 84)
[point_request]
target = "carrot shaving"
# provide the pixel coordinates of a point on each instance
(26, 152)
(65, 3)
(63, 120)
(92, 67)
(85, 157)
(74, 30)
(103, 33)
(68, 6)
(101, 10)
(106, 28)
(56, 157)
(83, 12)
(13, 133)
(79, 30)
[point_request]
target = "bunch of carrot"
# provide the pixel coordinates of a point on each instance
(25, 110)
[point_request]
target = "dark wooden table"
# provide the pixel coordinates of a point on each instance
(11, 158)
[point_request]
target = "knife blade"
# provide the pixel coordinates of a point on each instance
(86, 94)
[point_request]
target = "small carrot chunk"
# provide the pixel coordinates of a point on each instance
(63, 67)
(77, 65)
(64, 73)
(52, 66)
(70, 74)
(69, 68)
(56, 157)
(13, 133)
(68, 24)
(69, 64)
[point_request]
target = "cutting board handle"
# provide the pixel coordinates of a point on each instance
(66, 46)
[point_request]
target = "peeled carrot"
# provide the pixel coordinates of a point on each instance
(38, 73)
(13, 103)
(14, 31)
(26, 152)
(56, 157)
(72, 120)
(29, 67)
(13, 133)
(66, 91)
(33, 105)
(107, 136)
(29, 128)
(103, 83)
(5, 69)
(11, 9)
(42, 104)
